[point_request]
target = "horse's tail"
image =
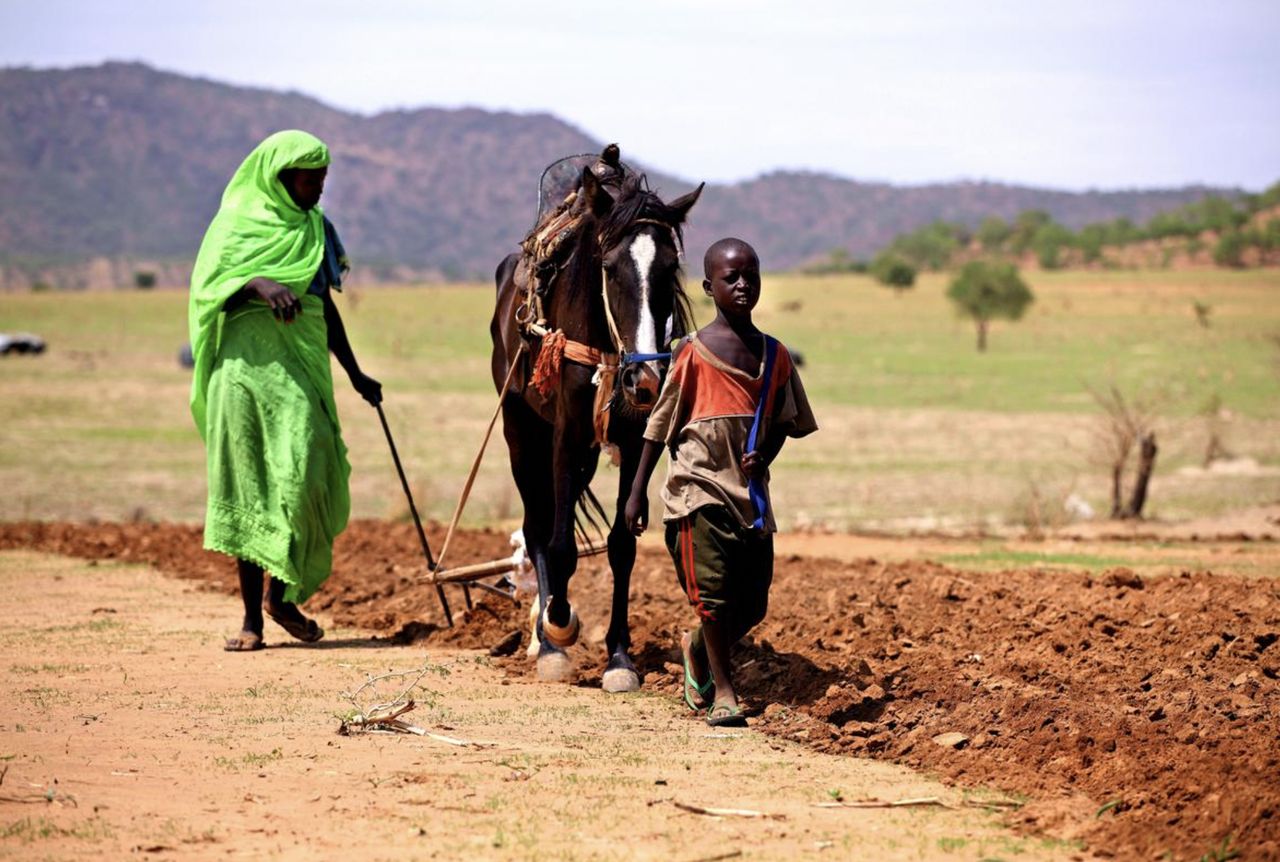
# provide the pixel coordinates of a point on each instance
(589, 517)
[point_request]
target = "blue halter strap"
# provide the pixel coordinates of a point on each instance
(759, 501)
(631, 358)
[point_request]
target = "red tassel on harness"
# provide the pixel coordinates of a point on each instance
(546, 369)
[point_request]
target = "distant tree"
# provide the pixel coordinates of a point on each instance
(931, 246)
(1121, 231)
(892, 271)
(1202, 310)
(1269, 236)
(986, 290)
(1048, 242)
(1126, 426)
(1025, 227)
(993, 233)
(1171, 224)
(1215, 213)
(1270, 196)
(1090, 240)
(837, 260)
(1230, 249)
(144, 279)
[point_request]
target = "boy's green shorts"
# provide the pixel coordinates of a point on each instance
(724, 568)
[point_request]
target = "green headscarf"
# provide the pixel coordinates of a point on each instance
(258, 231)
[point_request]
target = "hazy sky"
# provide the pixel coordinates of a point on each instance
(1066, 94)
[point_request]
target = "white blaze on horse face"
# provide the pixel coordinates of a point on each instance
(643, 252)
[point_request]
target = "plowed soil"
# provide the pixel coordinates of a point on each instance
(1138, 714)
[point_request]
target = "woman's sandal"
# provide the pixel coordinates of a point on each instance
(691, 686)
(726, 715)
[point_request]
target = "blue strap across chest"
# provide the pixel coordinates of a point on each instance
(759, 501)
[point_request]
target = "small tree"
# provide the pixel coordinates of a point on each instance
(892, 271)
(985, 290)
(1230, 249)
(144, 279)
(993, 232)
(1126, 425)
(1048, 243)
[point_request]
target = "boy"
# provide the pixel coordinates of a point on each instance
(722, 438)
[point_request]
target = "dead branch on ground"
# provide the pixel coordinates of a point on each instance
(1125, 426)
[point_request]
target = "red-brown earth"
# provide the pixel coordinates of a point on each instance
(1139, 714)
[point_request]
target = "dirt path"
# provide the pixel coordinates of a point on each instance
(1133, 710)
(126, 732)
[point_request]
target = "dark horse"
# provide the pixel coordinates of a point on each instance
(624, 250)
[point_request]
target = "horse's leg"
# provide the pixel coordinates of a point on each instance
(621, 674)
(562, 551)
(529, 443)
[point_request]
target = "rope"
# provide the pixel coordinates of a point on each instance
(475, 465)
(546, 368)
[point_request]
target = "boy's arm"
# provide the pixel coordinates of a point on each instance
(637, 510)
(369, 389)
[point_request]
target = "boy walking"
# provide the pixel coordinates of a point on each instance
(729, 402)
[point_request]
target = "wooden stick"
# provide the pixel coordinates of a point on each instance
(723, 812)
(475, 571)
(475, 465)
(882, 803)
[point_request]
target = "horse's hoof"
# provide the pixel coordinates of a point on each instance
(554, 666)
(561, 636)
(620, 679)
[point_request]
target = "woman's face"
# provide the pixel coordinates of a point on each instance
(305, 185)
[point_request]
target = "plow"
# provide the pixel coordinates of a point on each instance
(508, 572)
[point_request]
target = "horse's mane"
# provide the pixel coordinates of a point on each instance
(633, 202)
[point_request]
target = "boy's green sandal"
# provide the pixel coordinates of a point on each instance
(726, 715)
(691, 686)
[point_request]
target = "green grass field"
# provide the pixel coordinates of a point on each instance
(919, 430)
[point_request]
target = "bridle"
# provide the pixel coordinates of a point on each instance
(626, 359)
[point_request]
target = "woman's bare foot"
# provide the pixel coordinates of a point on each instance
(292, 620)
(246, 641)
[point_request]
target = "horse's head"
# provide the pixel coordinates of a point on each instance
(640, 240)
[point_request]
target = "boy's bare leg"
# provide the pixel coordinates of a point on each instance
(250, 636)
(715, 638)
(696, 652)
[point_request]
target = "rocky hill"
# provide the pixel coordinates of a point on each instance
(123, 163)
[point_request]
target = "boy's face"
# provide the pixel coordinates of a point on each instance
(733, 280)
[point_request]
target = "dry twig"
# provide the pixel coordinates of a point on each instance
(886, 803)
(724, 812)
(384, 715)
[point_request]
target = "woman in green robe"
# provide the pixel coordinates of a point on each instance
(263, 323)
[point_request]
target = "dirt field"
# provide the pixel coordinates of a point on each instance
(127, 733)
(1133, 713)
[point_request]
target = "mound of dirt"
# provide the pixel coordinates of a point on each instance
(1138, 714)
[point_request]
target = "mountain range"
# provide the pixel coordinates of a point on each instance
(124, 163)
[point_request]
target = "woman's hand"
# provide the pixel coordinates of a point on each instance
(284, 305)
(370, 390)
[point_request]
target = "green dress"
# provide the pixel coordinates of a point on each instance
(262, 391)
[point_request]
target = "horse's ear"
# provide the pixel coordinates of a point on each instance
(684, 203)
(597, 198)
